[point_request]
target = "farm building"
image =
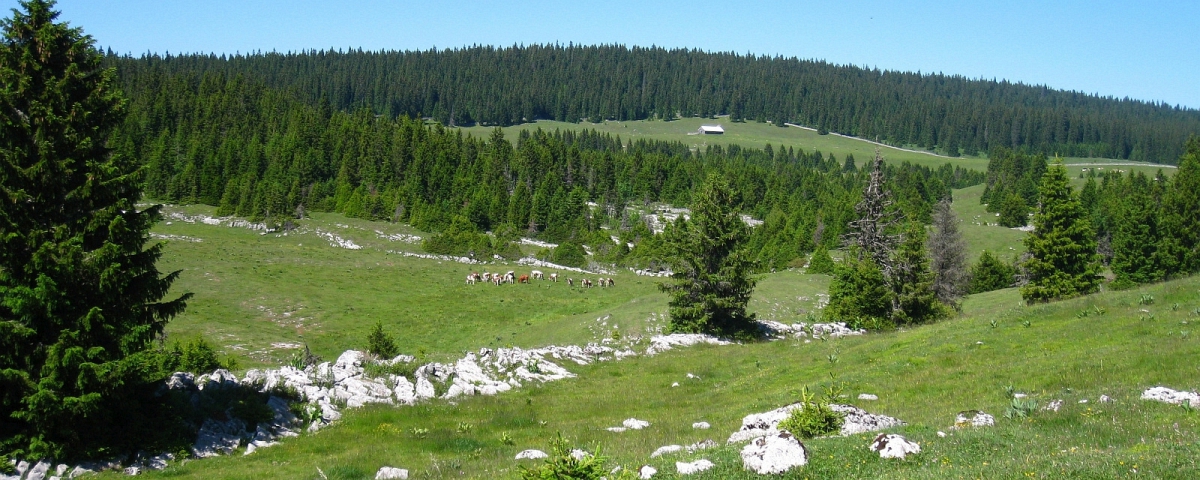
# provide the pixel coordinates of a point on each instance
(710, 130)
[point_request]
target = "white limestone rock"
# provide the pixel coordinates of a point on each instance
(973, 418)
(667, 449)
(701, 445)
(616, 429)
(1053, 406)
(531, 455)
(774, 454)
(635, 424)
(701, 426)
(662, 343)
(391, 473)
(39, 471)
(1167, 395)
(868, 397)
(688, 468)
(578, 454)
(890, 445)
(856, 420)
(646, 472)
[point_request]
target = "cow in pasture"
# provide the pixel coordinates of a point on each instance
(523, 279)
(570, 282)
(554, 277)
(600, 281)
(585, 283)
(473, 277)
(509, 277)
(610, 282)
(537, 274)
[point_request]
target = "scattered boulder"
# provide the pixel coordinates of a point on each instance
(689, 468)
(1106, 399)
(1164, 394)
(856, 421)
(890, 445)
(616, 429)
(578, 454)
(635, 424)
(941, 434)
(391, 473)
(774, 454)
(701, 426)
(701, 445)
(531, 455)
(868, 397)
(674, 384)
(665, 450)
(1053, 406)
(973, 418)
(646, 472)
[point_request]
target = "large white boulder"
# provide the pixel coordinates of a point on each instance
(391, 473)
(774, 454)
(688, 468)
(647, 472)
(39, 471)
(890, 445)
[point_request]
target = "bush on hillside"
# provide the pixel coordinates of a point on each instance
(821, 262)
(561, 465)
(380, 344)
(198, 356)
(990, 273)
(814, 418)
(859, 294)
(570, 254)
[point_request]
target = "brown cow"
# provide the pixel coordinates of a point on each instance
(570, 282)
(523, 279)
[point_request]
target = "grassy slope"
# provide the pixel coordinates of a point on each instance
(924, 375)
(252, 291)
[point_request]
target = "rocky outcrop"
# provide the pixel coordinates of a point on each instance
(774, 454)
(646, 472)
(531, 454)
(391, 473)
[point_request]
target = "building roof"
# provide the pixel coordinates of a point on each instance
(712, 129)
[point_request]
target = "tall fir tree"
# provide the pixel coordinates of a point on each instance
(1136, 239)
(80, 296)
(948, 255)
(990, 273)
(711, 284)
(913, 283)
(1062, 246)
(1180, 213)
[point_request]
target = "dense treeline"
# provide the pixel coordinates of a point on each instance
(503, 86)
(255, 151)
(1143, 227)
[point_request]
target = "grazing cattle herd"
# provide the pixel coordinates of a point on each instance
(511, 277)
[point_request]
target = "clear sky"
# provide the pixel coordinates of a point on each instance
(1142, 49)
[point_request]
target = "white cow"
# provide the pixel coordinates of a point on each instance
(554, 277)
(537, 274)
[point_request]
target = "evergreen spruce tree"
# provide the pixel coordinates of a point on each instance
(1013, 211)
(712, 284)
(948, 255)
(1136, 238)
(80, 296)
(821, 262)
(1062, 246)
(1180, 211)
(913, 281)
(989, 273)
(859, 294)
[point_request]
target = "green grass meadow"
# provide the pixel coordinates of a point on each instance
(254, 293)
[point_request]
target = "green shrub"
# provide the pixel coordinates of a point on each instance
(989, 273)
(821, 262)
(198, 356)
(381, 344)
(570, 254)
(1014, 212)
(561, 465)
(382, 370)
(813, 419)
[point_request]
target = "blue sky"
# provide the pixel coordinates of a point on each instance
(1142, 49)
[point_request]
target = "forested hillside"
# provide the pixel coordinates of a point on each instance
(502, 86)
(255, 151)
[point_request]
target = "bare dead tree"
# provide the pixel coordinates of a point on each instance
(948, 255)
(875, 218)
